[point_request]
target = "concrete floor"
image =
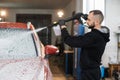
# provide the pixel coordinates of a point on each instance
(58, 74)
(61, 77)
(58, 70)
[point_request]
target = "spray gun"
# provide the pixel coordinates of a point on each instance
(76, 16)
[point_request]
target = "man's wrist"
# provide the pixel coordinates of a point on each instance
(63, 26)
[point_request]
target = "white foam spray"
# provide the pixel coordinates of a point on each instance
(36, 30)
(15, 42)
(40, 29)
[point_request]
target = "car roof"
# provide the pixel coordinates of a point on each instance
(13, 25)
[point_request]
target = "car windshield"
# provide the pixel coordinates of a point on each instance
(16, 44)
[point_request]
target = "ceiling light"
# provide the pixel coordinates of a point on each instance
(60, 13)
(3, 13)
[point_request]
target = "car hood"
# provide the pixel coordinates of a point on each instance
(25, 69)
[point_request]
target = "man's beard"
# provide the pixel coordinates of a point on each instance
(92, 26)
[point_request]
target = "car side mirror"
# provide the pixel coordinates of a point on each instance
(51, 49)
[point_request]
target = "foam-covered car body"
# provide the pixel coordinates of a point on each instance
(22, 53)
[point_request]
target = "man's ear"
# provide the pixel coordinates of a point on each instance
(97, 21)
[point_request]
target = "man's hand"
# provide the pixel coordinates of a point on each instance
(78, 16)
(61, 22)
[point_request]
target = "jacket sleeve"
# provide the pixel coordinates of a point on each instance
(77, 41)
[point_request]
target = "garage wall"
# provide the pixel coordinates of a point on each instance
(11, 13)
(112, 20)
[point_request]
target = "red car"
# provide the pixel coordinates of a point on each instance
(22, 54)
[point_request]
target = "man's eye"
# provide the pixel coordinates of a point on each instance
(88, 19)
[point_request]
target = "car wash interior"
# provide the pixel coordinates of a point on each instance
(44, 16)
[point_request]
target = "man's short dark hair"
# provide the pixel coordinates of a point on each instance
(99, 14)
